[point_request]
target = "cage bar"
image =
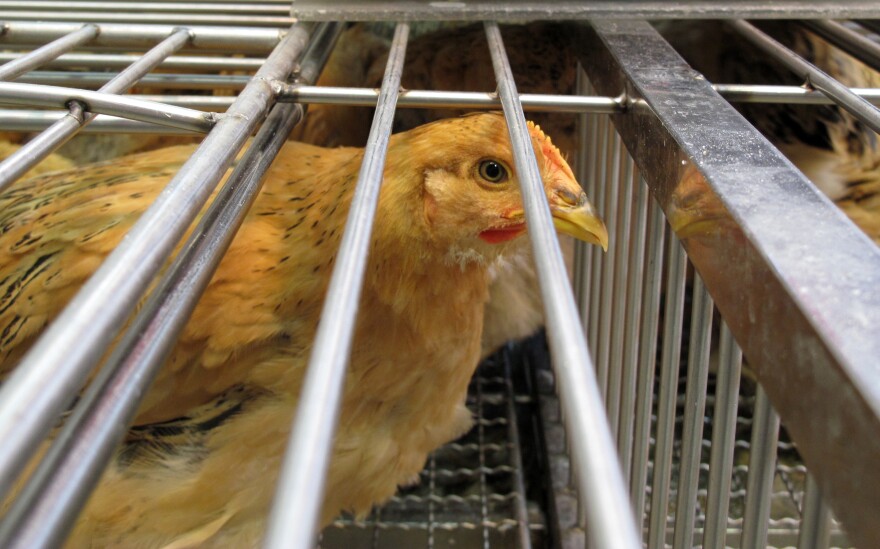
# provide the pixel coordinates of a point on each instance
(814, 531)
(853, 43)
(47, 53)
(295, 512)
(762, 468)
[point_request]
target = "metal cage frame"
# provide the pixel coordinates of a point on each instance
(658, 127)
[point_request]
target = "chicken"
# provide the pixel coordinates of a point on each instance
(200, 464)
(458, 59)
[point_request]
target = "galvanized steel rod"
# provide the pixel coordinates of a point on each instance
(631, 333)
(798, 95)
(606, 130)
(723, 441)
(296, 509)
(39, 389)
(121, 60)
(840, 94)
(762, 469)
(814, 531)
(694, 414)
(647, 358)
(669, 367)
(47, 507)
(94, 79)
(608, 209)
(13, 93)
(628, 180)
(153, 7)
(50, 51)
(600, 482)
(586, 153)
(861, 47)
(34, 121)
(133, 35)
(56, 135)
(158, 18)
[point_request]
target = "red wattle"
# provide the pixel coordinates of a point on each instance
(496, 236)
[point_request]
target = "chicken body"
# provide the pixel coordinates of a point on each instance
(199, 467)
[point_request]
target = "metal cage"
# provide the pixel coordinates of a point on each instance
(717, 243)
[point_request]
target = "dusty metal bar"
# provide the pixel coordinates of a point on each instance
(648, 325)
(814, 531)
(815, 78)
(121, 60)
(56, 135)
(723, 441)
(518, 10)
(630, 333)
(600, 482)
(50, 51)
(256, 8)
(13, 93)
(810, 334)
(295, 512)
(96, 79)
(47, 507)
(36, 392)
(762, 468)
(157, 18)
(606, 304)
(137, 35)
(694, 414)
(853, 43)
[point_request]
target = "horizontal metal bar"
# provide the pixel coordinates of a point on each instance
(120, 60)
(153, 7)
(859, 46)
(168, 81)
(13, 93)
(517, 10)
(35, 393)
(752, 93)
(50, 51)
(795, 280)
(295, 513)
(137, 35)
(610, 521)
(35, 121)
(815, 78)
(155, 18)
(446, 99)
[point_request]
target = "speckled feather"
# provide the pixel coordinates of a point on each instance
(199, 468)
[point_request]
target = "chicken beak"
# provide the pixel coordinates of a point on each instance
(580, 221)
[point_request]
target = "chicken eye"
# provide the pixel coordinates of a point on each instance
(493, 171)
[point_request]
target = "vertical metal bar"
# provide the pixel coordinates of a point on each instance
(694, 414)
(481, 452)
(649, 323)
(631, 335)
(815, 530)
(619, 297)
(672, 317)
(723, 440)
(519, 504)
(295, 513)
(50, 51)
(606, 299)
(587, 127)
(600, 482)
(861, 47)
(762, 468)
(58, 133)
(598, 183)
(44, 512)
(36, 392)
